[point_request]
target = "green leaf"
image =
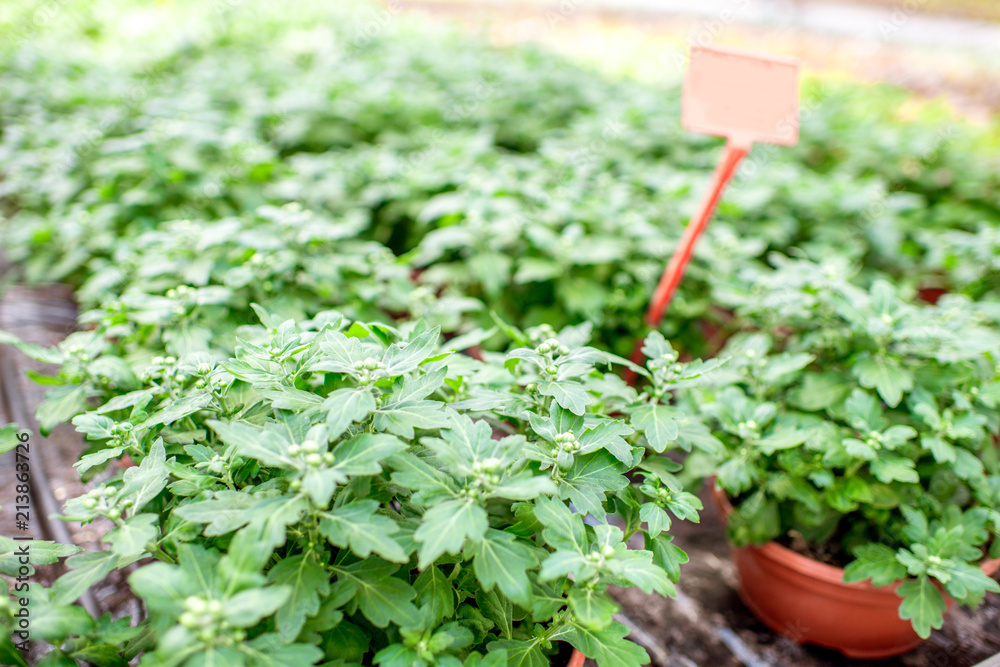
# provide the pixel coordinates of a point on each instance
(363, 454)
(60, 405)
(564, 529)
(46, 355)
(592, 608)
(591, 478)
(923, 605)
(894, 468)
(307, 582)
(359, 526)
(497, 607)
(271, 651)
(383, 598)
(608, 435)
(569, 394)
(402, 358)
(134, 537)
(272, 516)
(345, 406)
(876, 562)
(145, 481)
(884, 374)
(85, 570)
(521, 653)
(39, 553)
(657, 520)
(666, 554)
(608, 646)
(246, 608)
(435, 595)
(502, 560)
(657, 423)
(781, 439)
(54, 623)
(177, 410)
(8, 438)
(402, 418)
(223, 514)
(638, 568)
(430, 484)
(969, 584)
(445, 527)
(250, 442)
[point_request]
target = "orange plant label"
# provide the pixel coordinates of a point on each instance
(742, 95)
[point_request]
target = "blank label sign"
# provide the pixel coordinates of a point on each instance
(742, 95)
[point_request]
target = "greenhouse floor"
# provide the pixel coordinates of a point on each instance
(706, 625)
(650, 44)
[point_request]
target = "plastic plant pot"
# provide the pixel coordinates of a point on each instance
(809, 602)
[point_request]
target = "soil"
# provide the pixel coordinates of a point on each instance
(830, 554)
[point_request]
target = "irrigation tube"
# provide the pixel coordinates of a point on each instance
(41, 488)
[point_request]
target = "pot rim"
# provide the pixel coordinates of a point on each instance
(576, 660)
(813, 568)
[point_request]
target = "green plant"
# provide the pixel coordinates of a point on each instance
(861, 427)
(355, 493)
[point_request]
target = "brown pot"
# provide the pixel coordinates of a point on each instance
(809, 602)
(576, 660)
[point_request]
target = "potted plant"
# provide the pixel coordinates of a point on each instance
(353, 493)
(860, 472)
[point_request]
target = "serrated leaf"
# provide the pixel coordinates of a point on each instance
(382, 597)
(359, 526)
(177, 410)
(591, 608)
(923, 605)
(591, 478)
(608, 435)
(435, 595)
(402, 418)
(307, 582)
(568, 394)
(445, 527)
(501, 560)
(250, 442)
(345, 406)
(608, 646)
(39, 552)
(876, 562)
(657, 423)
(885, 375)
(363, 454)
(223, 514)
(145, 481)
(402, 358)
(894, 468)
(247, 608)
(131, 539)
(666, 554)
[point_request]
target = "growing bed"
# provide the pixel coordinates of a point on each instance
(210, 189)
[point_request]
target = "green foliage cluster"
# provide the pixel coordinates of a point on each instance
(351, 493)
(326, 479)
(861, 422)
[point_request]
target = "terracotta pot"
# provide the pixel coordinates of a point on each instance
(577, 659)
(809, 602)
